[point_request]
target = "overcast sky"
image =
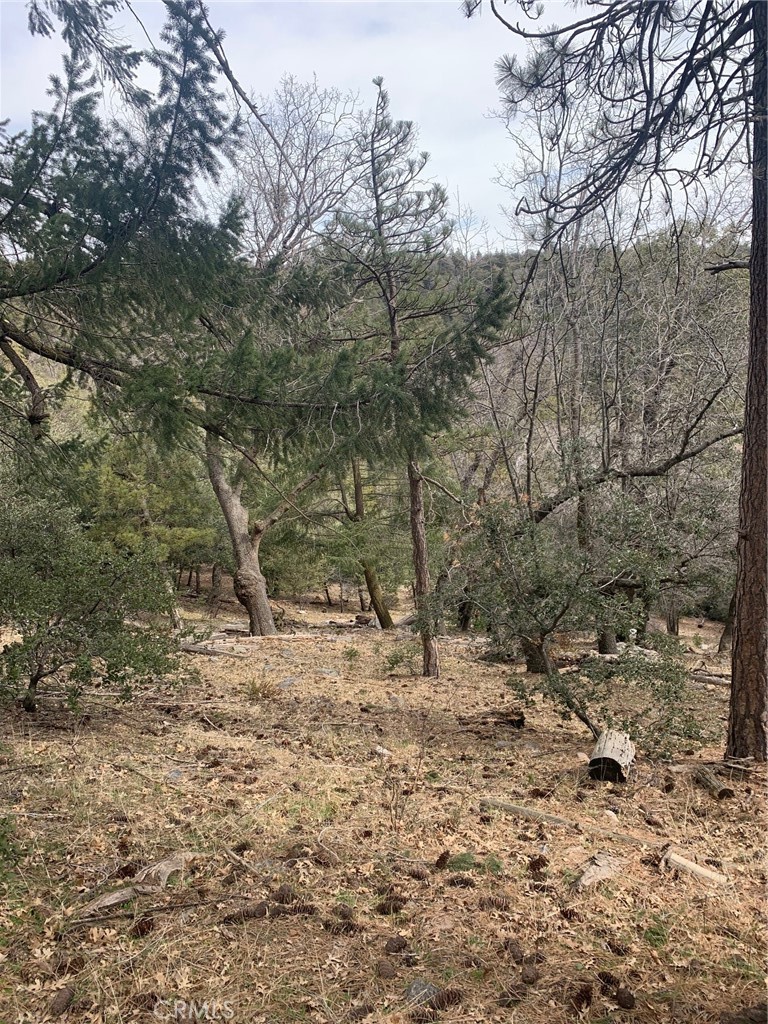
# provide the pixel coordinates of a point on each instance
(437, 66)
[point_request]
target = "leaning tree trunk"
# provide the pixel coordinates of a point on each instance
(249, 583)
(421, 567)
(748, 719)
(376, 594)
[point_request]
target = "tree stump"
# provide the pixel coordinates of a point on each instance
(611, 759)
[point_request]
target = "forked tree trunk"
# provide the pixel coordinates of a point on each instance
(29, 702)
(748, 719)
(249, 583)
(423, 584)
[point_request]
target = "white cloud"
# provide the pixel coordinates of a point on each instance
(437, 66)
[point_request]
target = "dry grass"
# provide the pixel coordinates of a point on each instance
(313, 767)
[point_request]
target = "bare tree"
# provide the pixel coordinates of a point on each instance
(674, 90)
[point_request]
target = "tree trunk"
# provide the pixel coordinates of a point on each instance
(173, 607)
(249, 583)
(726, 637)
(29, 702)
(537, 657)
(748, 720)
(214, 595)
(465, 611)
(376, 594)
(423, 583)
(673, 615)
(606, 641)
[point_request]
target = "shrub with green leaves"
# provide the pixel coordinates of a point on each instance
(641, 692)
(76, 607)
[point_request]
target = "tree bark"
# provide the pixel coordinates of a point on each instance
(673, 615)
(748, 719)
(249, 583)
(423, 583)
(465, 611)
(375, 592)
(537, 657)
(606, 641)
(376, 595)
(214, 595)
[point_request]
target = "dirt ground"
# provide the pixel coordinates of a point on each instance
(298, 835)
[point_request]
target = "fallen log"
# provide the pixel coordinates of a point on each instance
(408, 620)
(709, 781)
(668, 857)
(709, 680)
(611, 759)
(552, 819)
(677, 862)
(211, 651)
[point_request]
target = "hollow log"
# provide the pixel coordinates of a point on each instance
(611, 759)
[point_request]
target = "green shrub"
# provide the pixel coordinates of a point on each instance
(76, 606)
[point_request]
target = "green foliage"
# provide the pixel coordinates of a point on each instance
(463, 862)
(657, 933)
(351, 655)
(643, 693)
(405, 655)
(9, 850)
(76, 605)
(132, 495)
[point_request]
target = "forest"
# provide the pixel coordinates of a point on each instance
(383, 612)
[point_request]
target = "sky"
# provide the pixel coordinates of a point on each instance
(438, 67)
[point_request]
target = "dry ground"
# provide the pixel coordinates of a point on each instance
(331, 800)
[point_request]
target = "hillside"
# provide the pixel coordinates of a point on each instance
(317, 809)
